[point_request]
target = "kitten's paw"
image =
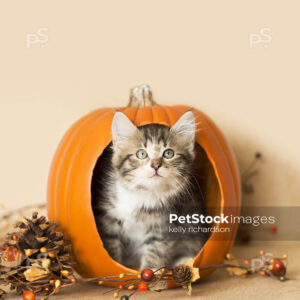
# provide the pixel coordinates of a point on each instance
(182, 261)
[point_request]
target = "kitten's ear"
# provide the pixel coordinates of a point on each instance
(121, 127)
(185, 126)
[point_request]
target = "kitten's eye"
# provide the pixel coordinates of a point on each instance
(141, 154)
(169, 153)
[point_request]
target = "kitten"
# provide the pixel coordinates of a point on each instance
(147, 173)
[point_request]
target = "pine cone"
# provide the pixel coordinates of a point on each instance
(182, 274)
(37, 233)
(35, 242)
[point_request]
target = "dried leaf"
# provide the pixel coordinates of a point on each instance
(34, 274)
(158, 285)
(237, 271)
(195, 271)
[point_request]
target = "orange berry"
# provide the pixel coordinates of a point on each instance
(142, 286)
(29, 295)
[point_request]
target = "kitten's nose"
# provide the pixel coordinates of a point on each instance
(156, 165)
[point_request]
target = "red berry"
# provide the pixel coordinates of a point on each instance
(273, 229)
(29, 295)
(143, 286)
(147, 275)
(48, 289)
(278, 268)
(244, 237)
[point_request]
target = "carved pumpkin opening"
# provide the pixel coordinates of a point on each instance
(204, 172)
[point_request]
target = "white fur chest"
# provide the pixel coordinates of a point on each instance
(126, 205)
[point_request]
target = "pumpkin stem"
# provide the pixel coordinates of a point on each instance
(141, 96)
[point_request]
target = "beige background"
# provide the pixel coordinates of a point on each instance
(192, 52)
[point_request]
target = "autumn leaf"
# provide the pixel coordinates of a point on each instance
(195, 271)
(158, 285)
(33, 274)
(237, 271)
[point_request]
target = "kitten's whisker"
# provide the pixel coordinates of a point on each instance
(198, 185)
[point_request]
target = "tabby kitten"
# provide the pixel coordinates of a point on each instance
(147, 174)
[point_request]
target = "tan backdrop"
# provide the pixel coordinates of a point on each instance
(238, 61)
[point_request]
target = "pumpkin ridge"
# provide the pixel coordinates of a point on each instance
(56, 162)
(127, 111)
(61, 211)
(168, 117)
(78, 148)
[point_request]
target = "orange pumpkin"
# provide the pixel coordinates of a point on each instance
(69, 186)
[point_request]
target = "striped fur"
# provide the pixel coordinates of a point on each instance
(132, 200)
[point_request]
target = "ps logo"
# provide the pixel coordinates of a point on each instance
(40, 38)
(263, 37)
(258, 263)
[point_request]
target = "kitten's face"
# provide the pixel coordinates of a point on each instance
(153, 157)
